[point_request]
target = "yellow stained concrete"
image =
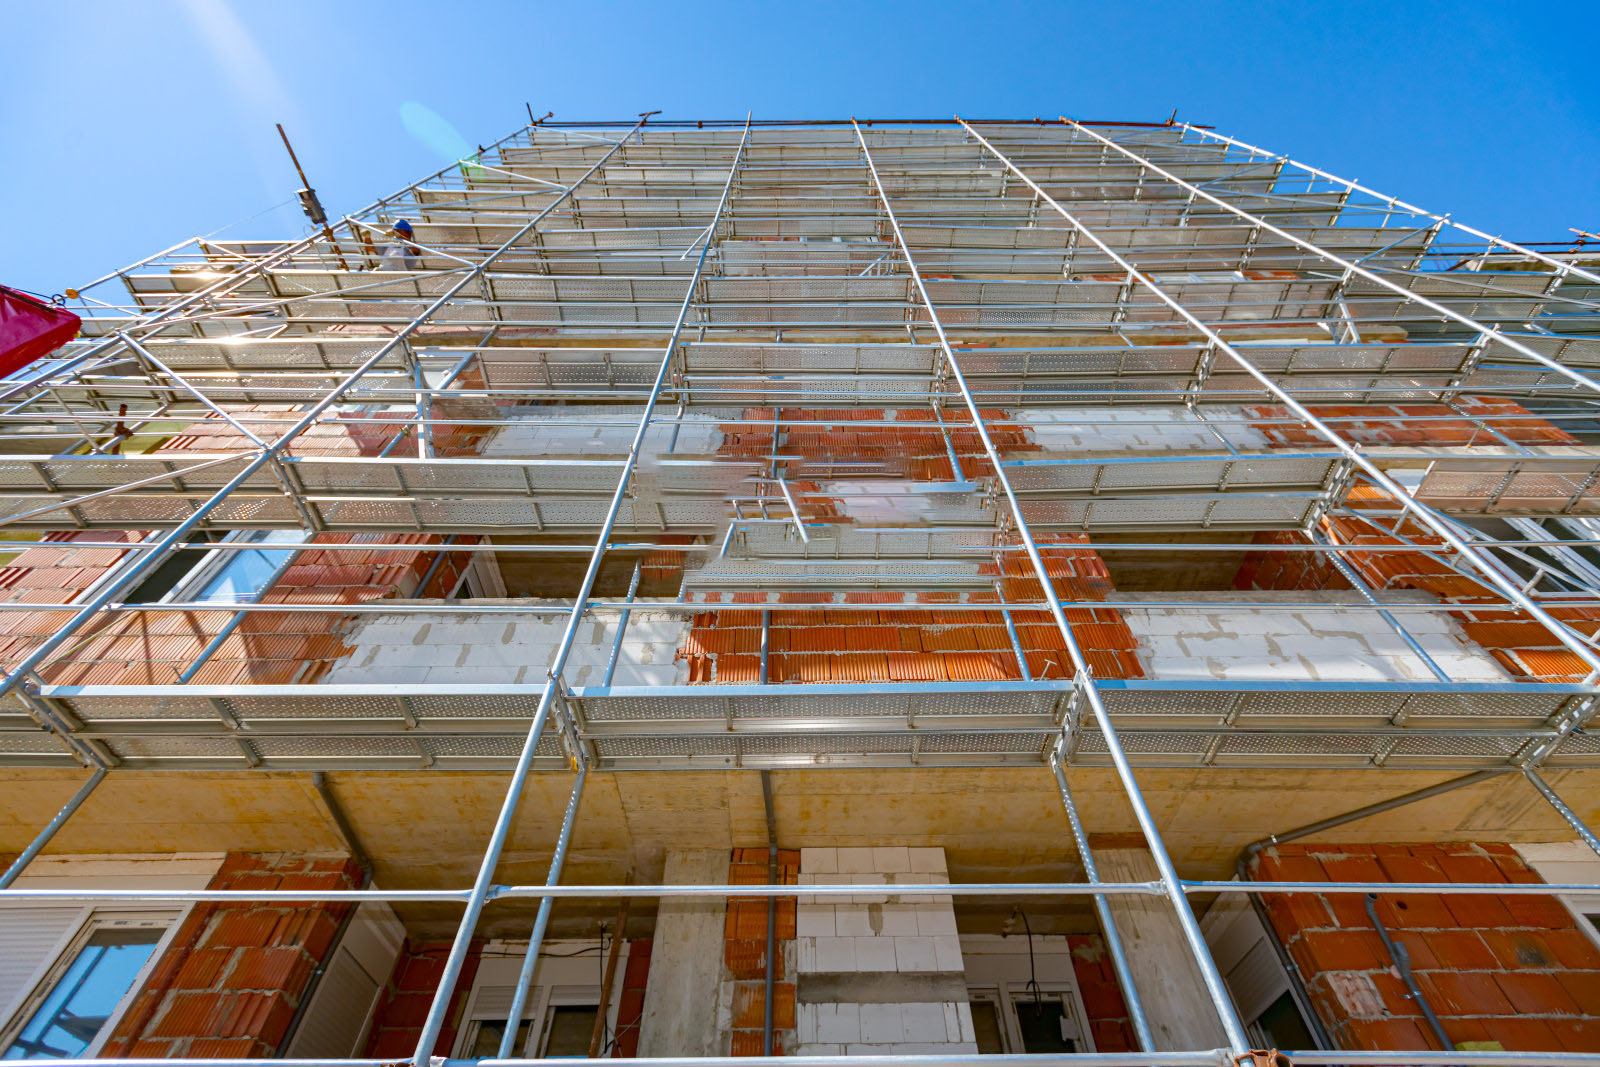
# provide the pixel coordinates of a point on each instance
(427, 829)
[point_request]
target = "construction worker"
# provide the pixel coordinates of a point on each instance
(400, 253)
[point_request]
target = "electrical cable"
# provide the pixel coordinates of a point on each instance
(1033, 972)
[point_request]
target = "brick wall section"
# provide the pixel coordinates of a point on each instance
(1431, 425)
(821, 442)
(745, 953)
(1522, 646)
(403, 1006)
(630, 1007)
(233, 977)
(856, 642)
(1102, 998)
(1512, 969)
(267, 648)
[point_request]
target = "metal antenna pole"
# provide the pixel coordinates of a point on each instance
(309, 202)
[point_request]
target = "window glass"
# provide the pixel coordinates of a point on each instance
(72, 1014)
(246, 572)
(570, 1030)
(1282, 1026)
(486, 1042)
(986, 1025)
(1040, 1024)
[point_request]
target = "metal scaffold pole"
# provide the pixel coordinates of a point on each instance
(1221, 1001)
(508, 809)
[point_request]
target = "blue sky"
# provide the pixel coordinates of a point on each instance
(131, 125)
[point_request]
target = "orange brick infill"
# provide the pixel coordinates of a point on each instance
(630, 1006)
(1524, 647)
(403, 1005)
(234, 974)
(1102, 999)
(1433, 425)
(943, 642)
(1513, 969)
(745, 950)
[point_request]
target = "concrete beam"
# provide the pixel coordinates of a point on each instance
(680, 1002)
(1163, 970)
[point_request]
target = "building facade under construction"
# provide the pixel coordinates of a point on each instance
(937, 588)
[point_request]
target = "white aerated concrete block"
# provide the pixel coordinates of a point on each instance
(923, 1023)
(839, 1023)
(855, 860)
(927, 859)
(935, 920)
(869, 879)
(892, 859)
(850, 920)
(805, 1023)
(900, 920)
(947, 953)
(813, 920)
(835, 954)
(876, 954)
(915, 954)
(819, 861)
(881, 1024)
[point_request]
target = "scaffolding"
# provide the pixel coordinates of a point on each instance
(645, 280)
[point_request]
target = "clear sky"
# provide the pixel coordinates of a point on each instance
(131, 124)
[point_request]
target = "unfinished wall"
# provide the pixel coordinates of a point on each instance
(1511, 969)
(1523, 647)
(877, 974)
(600, 430)
(857, 638)
(1305, 644)
(509, 648)
(630, 1006)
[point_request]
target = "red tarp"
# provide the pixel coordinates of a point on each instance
(31, 329)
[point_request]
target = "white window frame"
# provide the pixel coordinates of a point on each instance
(998, 969)
(559, 981)
(1006, 995)
(90, 919)
(1571, 862)
(214, 561)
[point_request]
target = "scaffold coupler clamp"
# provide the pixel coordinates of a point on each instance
(1262, 1057)
(566, 724)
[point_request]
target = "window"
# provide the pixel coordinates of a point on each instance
(1280, 1026)
(239, 576)
(1022, 991)
(558, 1018)
(486, 1038)
(1012, 1019)
(83, 989)
(568, 1030)
(563, 1034)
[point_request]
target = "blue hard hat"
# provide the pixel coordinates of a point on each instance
(403, 226)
